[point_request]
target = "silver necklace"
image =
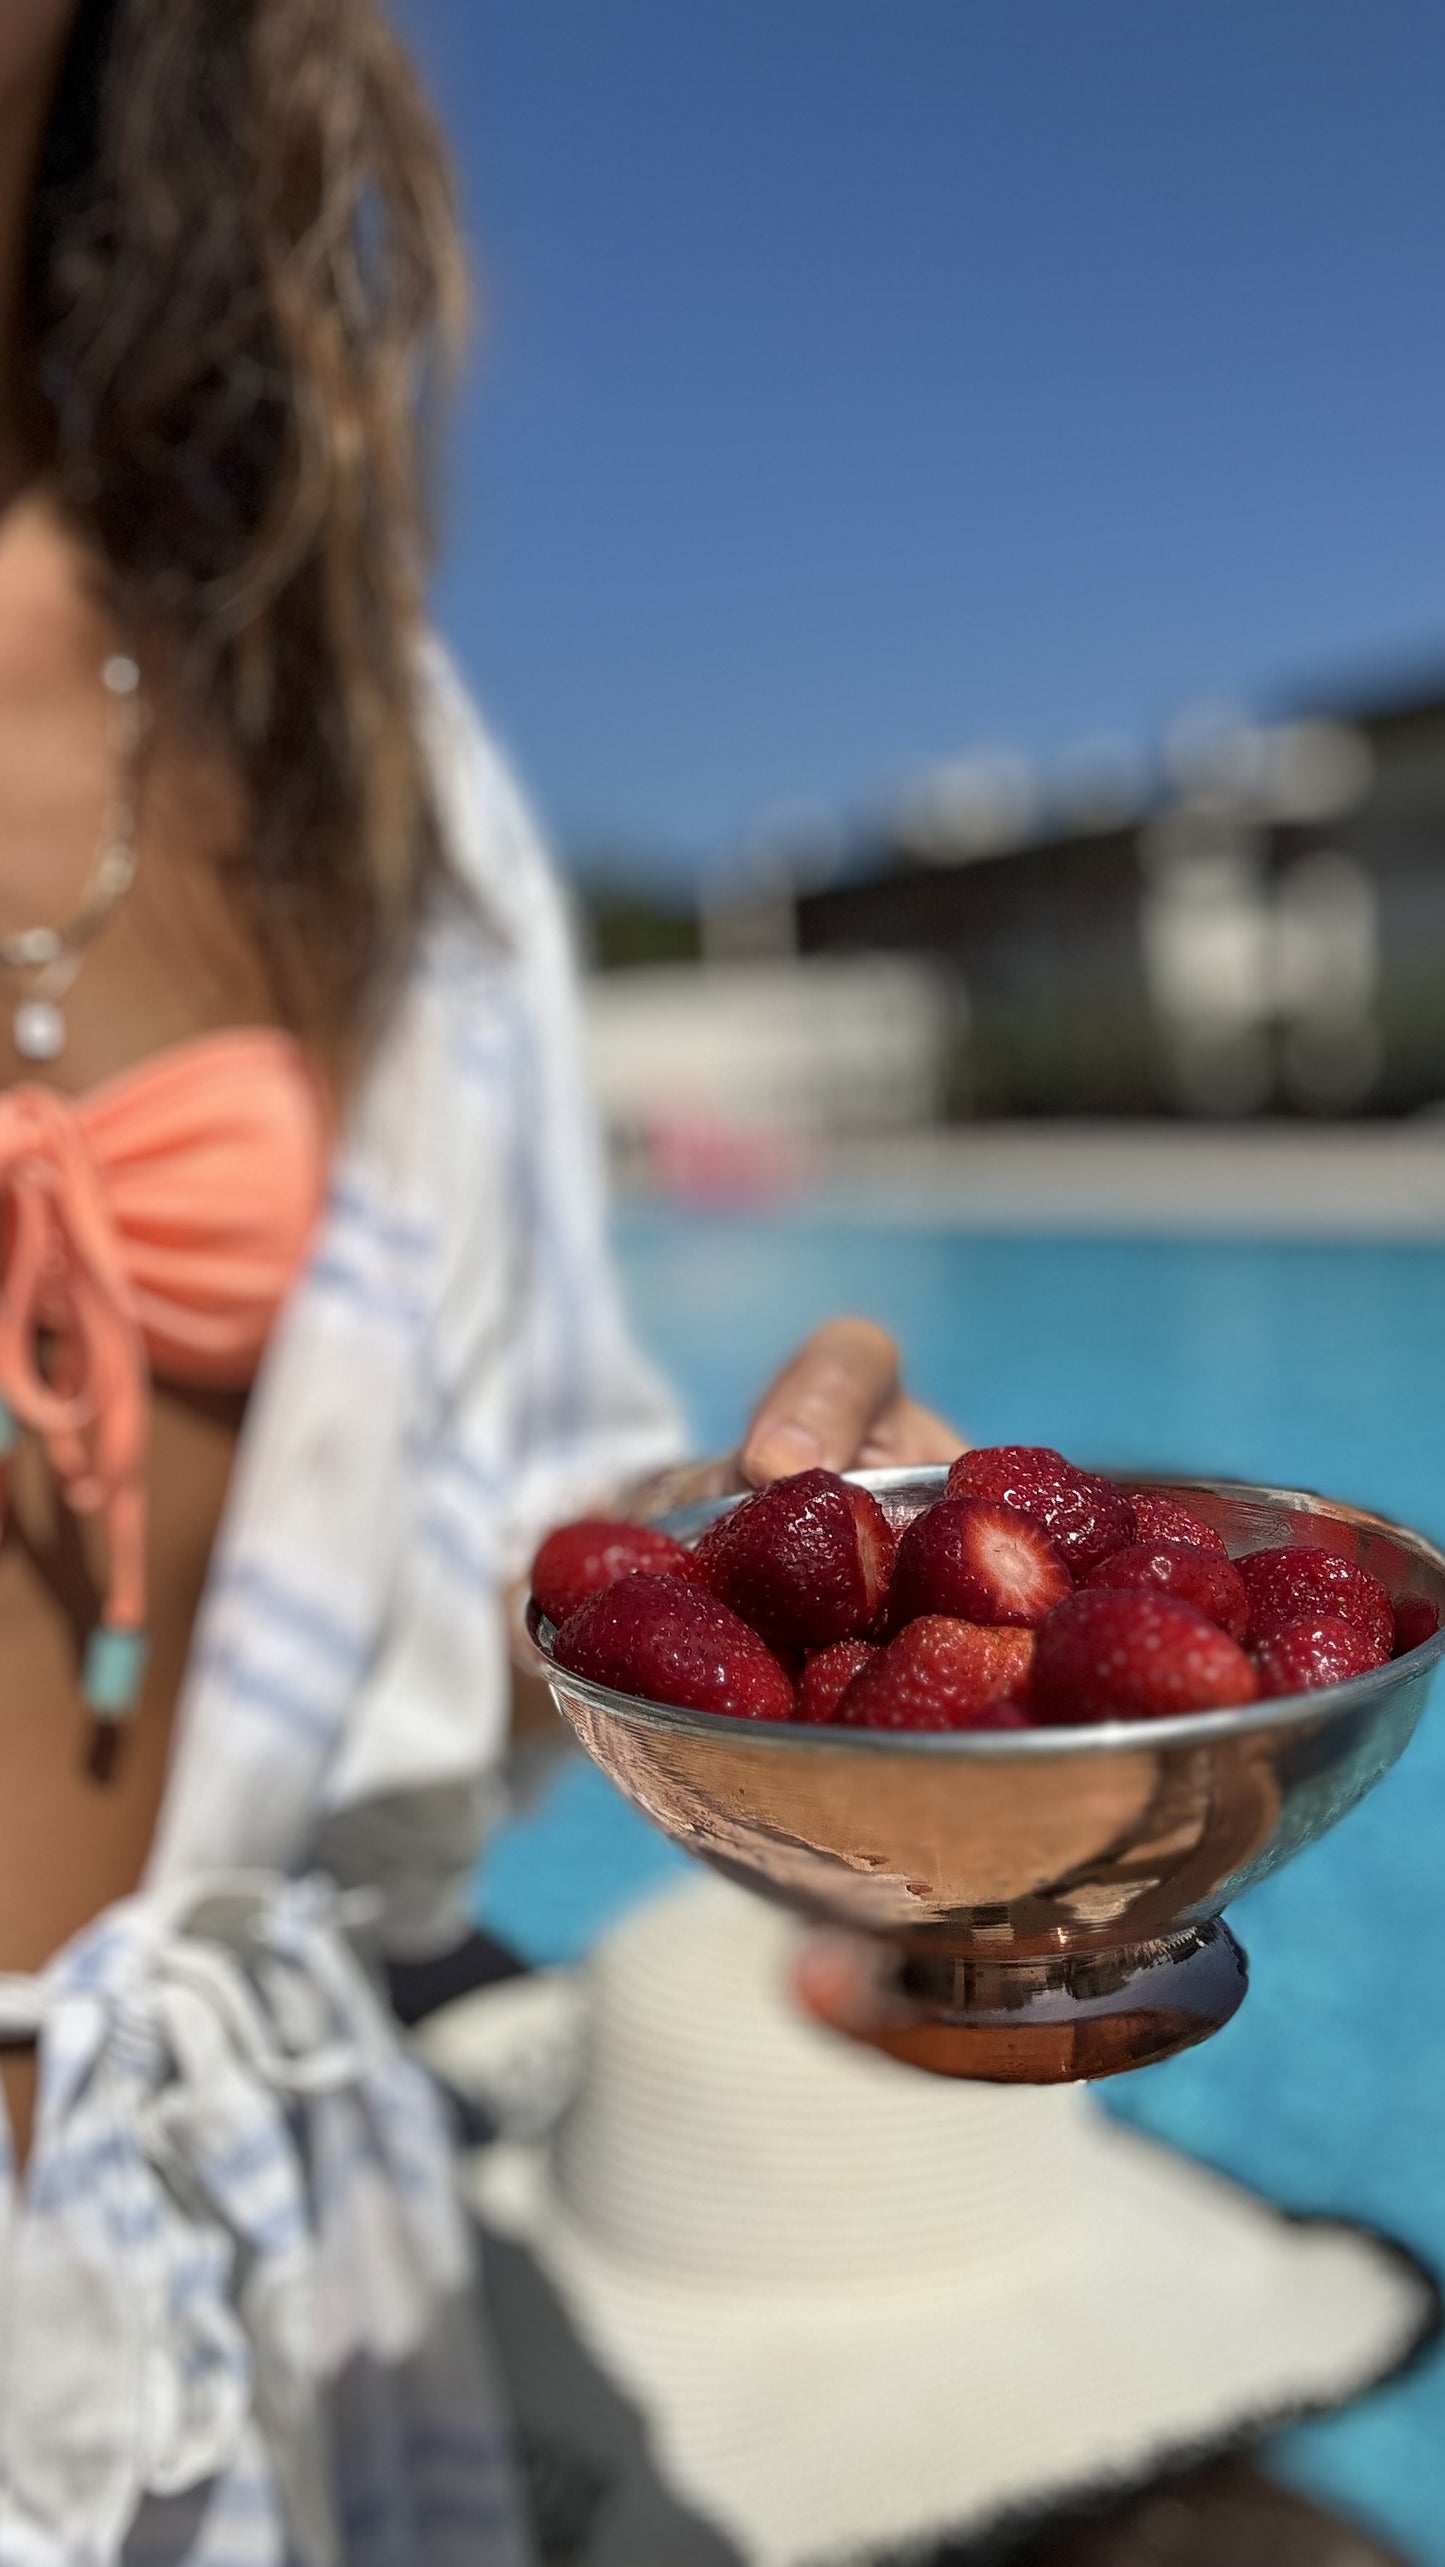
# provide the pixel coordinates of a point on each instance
(51, 957)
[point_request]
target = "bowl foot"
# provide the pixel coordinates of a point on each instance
(1038, 2022)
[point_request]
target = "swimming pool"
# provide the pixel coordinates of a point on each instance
(1318, 1365)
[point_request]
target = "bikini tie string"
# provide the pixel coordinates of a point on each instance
(73, 1369)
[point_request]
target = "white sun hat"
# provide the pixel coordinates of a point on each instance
(860, 2306)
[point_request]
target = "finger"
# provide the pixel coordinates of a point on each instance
(835, 1977)
(844, 1980)
(823, 1404)
(907, 1434)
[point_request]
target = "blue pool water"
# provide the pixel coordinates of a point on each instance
(1309, 1365)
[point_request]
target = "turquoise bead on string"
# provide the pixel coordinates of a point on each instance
(115, 1660)
(114, 1671)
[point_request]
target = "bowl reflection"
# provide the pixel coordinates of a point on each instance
(1035, 1905)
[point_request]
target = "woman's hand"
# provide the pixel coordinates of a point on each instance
(839, 1405)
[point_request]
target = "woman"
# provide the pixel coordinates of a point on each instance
(289, 1074)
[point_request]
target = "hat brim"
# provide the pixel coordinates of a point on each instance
(823, 2424)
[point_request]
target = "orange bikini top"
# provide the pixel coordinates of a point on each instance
(153, 1226)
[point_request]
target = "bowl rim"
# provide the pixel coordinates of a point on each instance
(1097, 1738)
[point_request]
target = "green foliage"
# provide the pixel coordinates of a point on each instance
(623, 927)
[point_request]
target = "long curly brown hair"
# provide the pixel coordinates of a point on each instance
(243, 269)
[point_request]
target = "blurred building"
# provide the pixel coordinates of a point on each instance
(1256, 929)
(1265, 933)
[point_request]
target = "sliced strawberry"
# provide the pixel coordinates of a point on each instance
(978, 1561)
(1416, 1620)
(1286, 1585)
(579, 1560)
(940, 1673)
(827, 1674)
(668, 1640)
(806, 1561)
(1131, 1654)
(1305, 1655)
(1087, 1517)
(1211, 1584)
(1163, 1519)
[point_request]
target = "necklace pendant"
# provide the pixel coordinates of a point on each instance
(55, 954)
(39, 1030)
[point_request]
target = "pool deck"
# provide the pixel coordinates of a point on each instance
(1358, 1180)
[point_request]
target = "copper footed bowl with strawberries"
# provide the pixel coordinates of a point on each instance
(1029, 1905)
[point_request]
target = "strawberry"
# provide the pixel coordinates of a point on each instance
(940, 1673)
(1213, 1585)
(1132, 1654)
(1288, 1585)
(1323, 1650)
(581, 1559)
(1087, 1517)
(827, 1674)
(1416, 1620)
(977, 1561)
(668, 1640)
(805, 1561)
(1163, 1519)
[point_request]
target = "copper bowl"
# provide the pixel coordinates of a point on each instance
(1028, 1906)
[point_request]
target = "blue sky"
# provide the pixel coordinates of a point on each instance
(869, 381)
